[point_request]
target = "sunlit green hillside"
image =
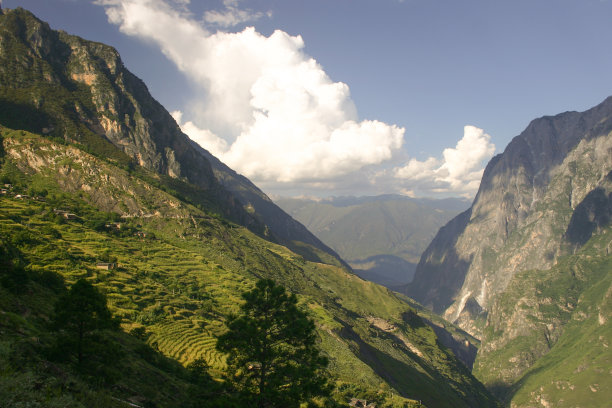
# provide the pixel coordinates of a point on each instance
(181, 270)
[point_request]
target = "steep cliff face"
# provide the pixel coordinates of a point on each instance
(39, 63)
(80, 92)
(527, 268)
(519, 217)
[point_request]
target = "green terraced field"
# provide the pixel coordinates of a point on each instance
(180, 281)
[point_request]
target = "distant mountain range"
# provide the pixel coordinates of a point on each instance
(381, 237)
(527, 268)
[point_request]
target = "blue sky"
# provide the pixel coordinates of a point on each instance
(355, 96)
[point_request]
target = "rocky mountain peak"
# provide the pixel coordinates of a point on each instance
(517, 220)
(526, 268)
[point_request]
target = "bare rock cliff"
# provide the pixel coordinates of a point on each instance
(528, 198)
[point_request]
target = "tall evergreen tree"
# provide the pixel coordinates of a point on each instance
(79, 313)
(273, 357)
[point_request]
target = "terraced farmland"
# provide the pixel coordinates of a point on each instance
(181, 272)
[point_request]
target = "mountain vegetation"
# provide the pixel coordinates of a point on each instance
(526, 268)
(103, 191)
(181, 273)
(381, 237)
(276, 342)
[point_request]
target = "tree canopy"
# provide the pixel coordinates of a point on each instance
(273, 357)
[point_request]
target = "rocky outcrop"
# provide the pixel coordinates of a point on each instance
(528, 198)
(443, 262)
(593, 213)
(103, 95)
(527, 266)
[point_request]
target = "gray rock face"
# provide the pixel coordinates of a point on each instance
(519, 218)
(108, 99)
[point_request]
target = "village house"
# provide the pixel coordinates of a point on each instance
(114, 225)
(106, 265)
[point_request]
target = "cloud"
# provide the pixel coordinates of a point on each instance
(232, 15)
(282, 118)
(460, 168)
(203, 137)
(270, 111)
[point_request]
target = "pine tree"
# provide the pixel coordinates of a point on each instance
(273, 357)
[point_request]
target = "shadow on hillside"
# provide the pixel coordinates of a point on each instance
(441, 271)
(592, 214)
(22, 116)
(501, 391)
(423, 384)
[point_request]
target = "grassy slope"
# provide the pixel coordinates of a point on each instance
(182, 283)
(28, 378)
(576, 372)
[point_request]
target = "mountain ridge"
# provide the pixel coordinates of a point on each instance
(529, 174)
(286, 228)
(381, 237)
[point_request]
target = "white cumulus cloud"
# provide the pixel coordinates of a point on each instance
(459, 170)
(203, 137)
(270, 111)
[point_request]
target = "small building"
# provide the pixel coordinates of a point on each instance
(67, 215)
(22, 196)
(106, 265)
(114, 225)
(361, 403)
(3, 191)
